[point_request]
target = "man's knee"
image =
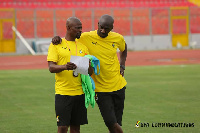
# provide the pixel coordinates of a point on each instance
(74, 129)
(115, 128)
(109, 123)
(62, 129)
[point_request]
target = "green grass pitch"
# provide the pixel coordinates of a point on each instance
(154, 94)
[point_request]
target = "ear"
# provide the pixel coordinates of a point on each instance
(67, 27)
(112, 25)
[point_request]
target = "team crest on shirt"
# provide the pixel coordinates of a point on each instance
(113, 44)
(80, 51)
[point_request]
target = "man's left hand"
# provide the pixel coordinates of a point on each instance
(122, 71)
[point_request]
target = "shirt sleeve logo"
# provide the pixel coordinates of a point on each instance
(113, 44)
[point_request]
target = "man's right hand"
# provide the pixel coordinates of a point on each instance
(70, 66)
(56, 40)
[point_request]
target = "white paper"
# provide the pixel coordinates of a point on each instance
(82, 64)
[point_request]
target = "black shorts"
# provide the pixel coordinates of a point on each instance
(111, 106)
(70, 110)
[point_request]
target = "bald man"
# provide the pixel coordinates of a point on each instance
(69, 97)
(110, 84)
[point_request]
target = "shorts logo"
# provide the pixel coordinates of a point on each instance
(80, 51)
(137, 124)
(57, 118)
(96, 97)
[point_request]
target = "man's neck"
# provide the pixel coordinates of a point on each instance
(69, 38)
(98, 33)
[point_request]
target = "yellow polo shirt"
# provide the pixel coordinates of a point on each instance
(105, 49)
(66, 83)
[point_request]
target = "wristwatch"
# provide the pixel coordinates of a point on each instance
(122, 66)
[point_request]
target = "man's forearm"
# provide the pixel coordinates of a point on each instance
(54, 68)
(57, 68)
(123, 56)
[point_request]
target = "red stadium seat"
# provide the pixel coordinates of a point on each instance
(61, 17)
(25, 14)
(122, 21)
(160, 21)
(61, 27)
(25, 22)
(45, 28)
(44, 14)
(194, 20)
(63, 14)
(85, 17)
(160, 25)
(44, 23)
(26, 27)
(140, 21)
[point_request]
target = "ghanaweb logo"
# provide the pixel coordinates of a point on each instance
(137, 124)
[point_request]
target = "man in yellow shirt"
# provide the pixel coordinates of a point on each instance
(110, 84)
(69, 98)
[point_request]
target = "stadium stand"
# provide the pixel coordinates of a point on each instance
(25, 22)
(61, 15)
(131, 16)
(155, 20)
(195, 20)
(85, 16)
(160, 21)
(122, 21)
(140, 21)
(91, 3)
(45, 21)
